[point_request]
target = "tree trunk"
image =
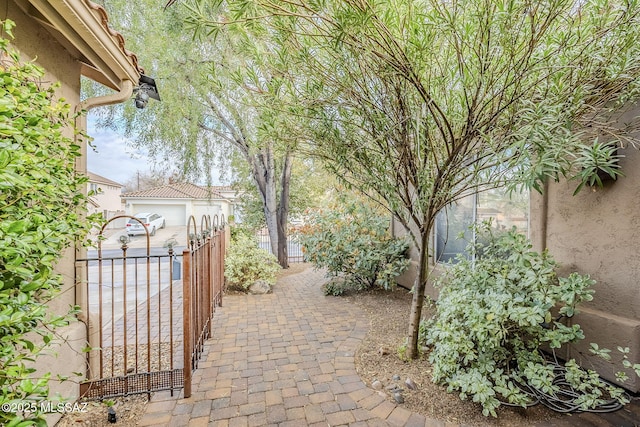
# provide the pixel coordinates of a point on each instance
(271, 203)
(276, 210)
(263, 170)
(283, 212)
(418, 296)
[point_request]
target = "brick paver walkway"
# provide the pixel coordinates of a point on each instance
(287, 359)
(284, 359)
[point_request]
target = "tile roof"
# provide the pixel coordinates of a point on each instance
(104, 19)
(175, 191)
(94, 177)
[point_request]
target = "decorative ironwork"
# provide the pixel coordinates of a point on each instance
(141, 320)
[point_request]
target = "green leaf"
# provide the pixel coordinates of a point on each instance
(18, 227)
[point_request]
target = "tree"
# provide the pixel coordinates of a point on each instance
(217, 98)
(309, 186)
(146, 180)
(419, 104)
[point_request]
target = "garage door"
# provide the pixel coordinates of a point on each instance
(173, 214)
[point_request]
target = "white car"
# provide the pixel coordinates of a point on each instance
(151, 221)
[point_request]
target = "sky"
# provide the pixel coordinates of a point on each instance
(113, 157)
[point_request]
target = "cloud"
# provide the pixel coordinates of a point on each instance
(113, 156)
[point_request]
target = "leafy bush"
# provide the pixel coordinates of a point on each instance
(42, 199)
(354, 243)
(245, 262)
(493, 315)
(598, 162)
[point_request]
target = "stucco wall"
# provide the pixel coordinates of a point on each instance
(108, 198)
(178, 211)
(34, 42)
(408, 278)
(597, 232)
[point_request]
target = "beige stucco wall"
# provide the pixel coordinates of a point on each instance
(108, 198)
(34, 42)
(408, 278)
(597, 232)
(217, 207)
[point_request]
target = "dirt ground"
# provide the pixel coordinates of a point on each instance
(129, 410)
(378, 359)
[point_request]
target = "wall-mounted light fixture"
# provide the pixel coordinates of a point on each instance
(146, 89)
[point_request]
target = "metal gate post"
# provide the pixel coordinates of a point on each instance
(186, 319)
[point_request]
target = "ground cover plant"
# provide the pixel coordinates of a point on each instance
(498, 307)
(42, 199)
(353, 243)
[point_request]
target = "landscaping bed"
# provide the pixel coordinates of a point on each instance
(378, 359)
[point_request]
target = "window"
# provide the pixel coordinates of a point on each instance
(505, 212)
(94, 187)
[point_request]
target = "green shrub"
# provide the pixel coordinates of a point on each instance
(354, 243)
(493, 315)
(42, 201)
(245, 262)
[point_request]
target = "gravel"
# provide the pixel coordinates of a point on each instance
(129, 410)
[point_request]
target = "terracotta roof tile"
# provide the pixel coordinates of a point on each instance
(175, 191)
(104, 19)
(94, 177)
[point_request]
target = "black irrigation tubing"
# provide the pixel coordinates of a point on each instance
(565, 400)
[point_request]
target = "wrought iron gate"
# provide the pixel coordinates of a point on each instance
(202, 287)
(146, 308)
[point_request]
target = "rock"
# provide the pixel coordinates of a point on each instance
(410, 384)
(383, 351)
(396, 377)
(398, 398)
(377, 385)
(259, 287)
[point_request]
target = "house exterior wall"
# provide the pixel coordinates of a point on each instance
(32, 41)
(212, 207)
(175, 212)
(107, 197)
(597, 232)
(178, 211)
(106, 201)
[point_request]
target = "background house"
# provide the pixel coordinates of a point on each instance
(177, 202)
(71, 39)
(105, 199)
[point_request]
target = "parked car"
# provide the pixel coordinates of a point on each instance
(151, 221)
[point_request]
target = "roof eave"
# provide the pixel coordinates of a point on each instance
(124, 196)
(84, 25)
